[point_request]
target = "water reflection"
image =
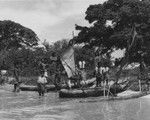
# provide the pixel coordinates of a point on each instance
(136, 109)
(28, 106)
(122, 110)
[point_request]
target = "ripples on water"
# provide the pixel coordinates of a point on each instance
(29, 106)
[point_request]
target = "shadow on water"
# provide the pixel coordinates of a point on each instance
(29, 106)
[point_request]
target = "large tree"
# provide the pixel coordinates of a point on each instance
(128, 28)
(15, 35)
(13, 38)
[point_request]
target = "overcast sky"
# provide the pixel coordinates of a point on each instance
(51, 19)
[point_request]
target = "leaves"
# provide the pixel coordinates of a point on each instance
(14, 39)
(126, 16)
(14, 35)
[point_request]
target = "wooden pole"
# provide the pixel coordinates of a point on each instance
(104, 88)
(140, 88)
(108, 90)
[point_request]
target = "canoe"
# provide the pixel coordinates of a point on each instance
(93, 92)
(88, 92)
(23, 87)
(34, 88)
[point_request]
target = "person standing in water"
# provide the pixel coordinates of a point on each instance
(98, 75)
(16, 80)
(41, 84)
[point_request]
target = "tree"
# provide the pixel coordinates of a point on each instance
(128, 29)
(14, 37)
(60, 46)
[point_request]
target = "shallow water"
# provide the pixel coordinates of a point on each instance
(29, 106)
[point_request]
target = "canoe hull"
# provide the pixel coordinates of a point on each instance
(90, 92)
(54, 88)
(79, 93)
(34, 88)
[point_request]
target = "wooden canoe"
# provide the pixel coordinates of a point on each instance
(34, 88)
(88, 83)
(93, 92)
(88, 92)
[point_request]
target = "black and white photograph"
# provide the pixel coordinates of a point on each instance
(74, 59)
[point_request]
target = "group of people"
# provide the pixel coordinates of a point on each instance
(78, 78)
(102, 75)
(42, 79)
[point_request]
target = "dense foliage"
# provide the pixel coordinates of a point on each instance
(15, 35)
(15, 39)
(118, 24)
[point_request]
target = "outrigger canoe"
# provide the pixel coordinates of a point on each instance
(89, 92)
(94, 92)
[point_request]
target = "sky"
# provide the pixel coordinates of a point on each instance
(52, 20)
